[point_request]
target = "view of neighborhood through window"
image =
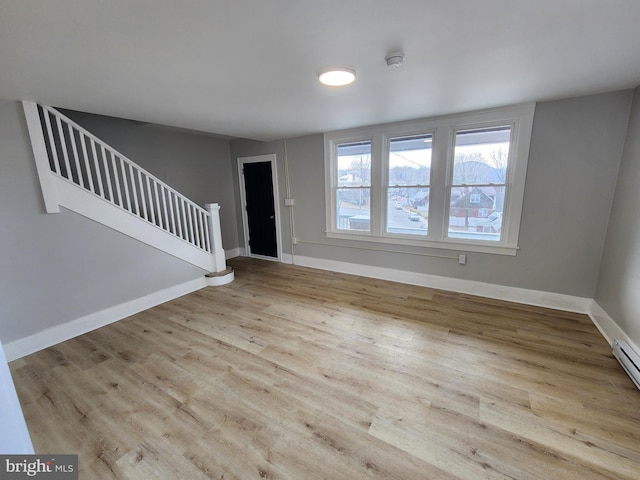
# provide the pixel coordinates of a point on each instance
(477, 192)
(409, 172)
(353, 195)
(479, 183)
(453, 182)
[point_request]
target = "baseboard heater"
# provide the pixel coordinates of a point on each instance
(629, 360)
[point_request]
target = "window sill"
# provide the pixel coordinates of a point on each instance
(449, 244)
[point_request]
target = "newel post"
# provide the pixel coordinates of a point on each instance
(217, 252)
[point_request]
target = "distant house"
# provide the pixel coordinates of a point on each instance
(473, 201)
(469, 208)
(420, 199)
(349, 179)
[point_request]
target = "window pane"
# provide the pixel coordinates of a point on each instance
(410, 160)
(476, 213)
(407, 210)
(481, 156)
(408, 194)
(353, 209)
(354, 164)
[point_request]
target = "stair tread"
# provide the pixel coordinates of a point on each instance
(221, 273)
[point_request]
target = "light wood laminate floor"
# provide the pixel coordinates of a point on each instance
(294, 373)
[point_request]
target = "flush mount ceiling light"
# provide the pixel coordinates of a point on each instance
(337, 76)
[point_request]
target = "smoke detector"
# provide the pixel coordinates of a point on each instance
(394, 60)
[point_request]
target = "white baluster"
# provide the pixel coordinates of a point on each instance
(178, 216)
(174, 227)
(163, 193)
(183, 220)
(116, 179)
(107, 174)
(65, 154)
(202, 225)
(52, 141)
(144, 213)
(74, 150)
(192, 233)
(157, 204)
(152, 214)
(87, 165)
(97, 165)
(125, 185)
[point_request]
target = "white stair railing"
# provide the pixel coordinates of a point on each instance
(66, 152)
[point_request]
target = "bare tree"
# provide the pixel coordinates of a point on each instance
(468, 168)
(361, 168)
(499, 161)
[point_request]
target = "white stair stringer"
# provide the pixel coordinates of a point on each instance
(95, 208)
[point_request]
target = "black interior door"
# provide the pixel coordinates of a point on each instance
(261, 216)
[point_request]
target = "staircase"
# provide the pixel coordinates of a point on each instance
(80, 172)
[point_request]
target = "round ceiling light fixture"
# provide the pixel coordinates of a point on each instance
(337, 76)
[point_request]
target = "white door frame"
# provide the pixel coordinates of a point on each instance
(271, 157)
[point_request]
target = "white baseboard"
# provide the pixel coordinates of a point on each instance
(59, 333)
(233, 253)
(609, 329)
(501, 292)
(287, 258)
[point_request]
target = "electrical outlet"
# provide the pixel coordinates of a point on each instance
(294, 241)
(462, 259)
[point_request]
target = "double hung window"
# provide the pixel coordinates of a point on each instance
(408, 169)
(479, 183)
(452, 182)
(353, 192)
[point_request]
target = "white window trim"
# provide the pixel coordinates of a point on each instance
(387, 135)
(443, 129)
(331, 175)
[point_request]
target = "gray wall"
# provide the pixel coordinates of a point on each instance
(196, 165)
(575, 153)
(55, 268)
(618, 290)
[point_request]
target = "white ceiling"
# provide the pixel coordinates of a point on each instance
(248, 68)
